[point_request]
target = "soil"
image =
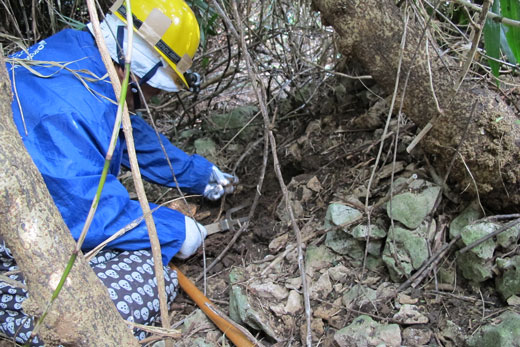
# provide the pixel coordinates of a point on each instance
(335, 142)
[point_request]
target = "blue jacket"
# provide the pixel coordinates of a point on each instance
(66, 120)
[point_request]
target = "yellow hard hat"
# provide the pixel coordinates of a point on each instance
(169, 26)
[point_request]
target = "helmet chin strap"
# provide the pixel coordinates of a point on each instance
(121, 60)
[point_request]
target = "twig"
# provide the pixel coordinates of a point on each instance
(251, 211)
(288, 249)
(387, 124)
(462, 139)
(124, 230)
(174, 177)
(324, 69)
(259, 91)
(437, 201)
(136, 174)
(477, 32)
(426, 129)
(429, 125)
(493, 16)
(246, 153)
(483, 303)
(498, 217)
(226, 249)
(488, 236)
(430, 77)
(121, 110)
(11, 282)
(459, 297)
(438, 256)
(297, 232)
(432, 260)
(164, 332)
(472, 180)
(358, 312)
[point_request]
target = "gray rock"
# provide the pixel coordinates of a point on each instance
(206, 147)
(365, 332)
(474, 268)
(452, 332)
(409, 247)
(338, 214)
(411, 208)
(318, 257)
(410, 314)
(513, 300)
(359, 296)
(341, 242)
(474, 232)
(268, 290)
(237, 275)
(298, 194)
(242, 309)
(294, 303)
(508, 282)
(242, 312)
(374, 248)
(227, 125)
(476, 264)
(416, 336)
(296, 206)
(360, 232)
(508, 239)
(386, 291)
(321, 288)
(196, 320)
(505, 333)
(339, 273)
(446, 275)
(468, 215)
(372, 263)
(278, 243)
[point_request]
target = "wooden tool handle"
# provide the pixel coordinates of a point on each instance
(232, 331)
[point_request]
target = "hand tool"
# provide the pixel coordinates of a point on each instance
(228, 222)
(233, 331)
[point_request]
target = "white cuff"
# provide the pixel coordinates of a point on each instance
(195, 233)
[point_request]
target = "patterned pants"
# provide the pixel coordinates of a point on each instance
(128, 276)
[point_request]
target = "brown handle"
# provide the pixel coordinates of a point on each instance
(228, 327)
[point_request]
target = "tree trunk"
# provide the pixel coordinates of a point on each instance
(370, 31)
(31, 225)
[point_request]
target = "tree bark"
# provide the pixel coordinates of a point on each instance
(32, 227)
(370, 32)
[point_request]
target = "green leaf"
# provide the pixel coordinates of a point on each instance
(504, 46)
(202, 5)
(205, 62)
(511, 9)
(492, 40)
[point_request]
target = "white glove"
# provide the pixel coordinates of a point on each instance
(220, 183)
(195, 234)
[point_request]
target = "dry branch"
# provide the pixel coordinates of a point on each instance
(136, 174)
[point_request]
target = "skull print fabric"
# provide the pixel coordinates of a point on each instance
(128, 277)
